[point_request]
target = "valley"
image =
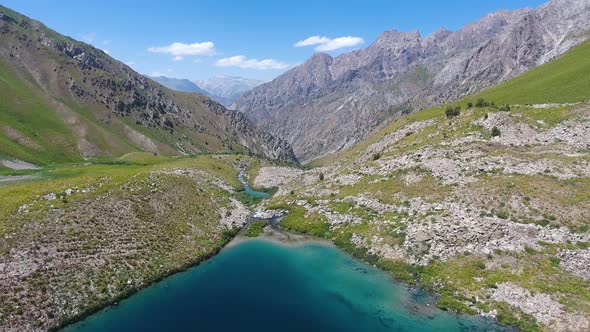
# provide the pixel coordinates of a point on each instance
(437, 182)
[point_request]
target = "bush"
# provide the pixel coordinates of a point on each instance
(376, 156)
(483, 103)
(504, 108)
(322, 176)
(452, 112)
(469, 105)
(496, 132)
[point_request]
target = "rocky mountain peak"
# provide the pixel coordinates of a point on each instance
(397, 38)
(402, 70)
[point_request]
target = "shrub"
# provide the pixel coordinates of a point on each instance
(376, 156)
(480, 102)
(469, 105)
(503, 214)
(504, 108)
(496, 132)
(322, 176)
(451, 111)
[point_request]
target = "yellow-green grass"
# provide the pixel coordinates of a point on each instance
(565, 79)
(101, 178)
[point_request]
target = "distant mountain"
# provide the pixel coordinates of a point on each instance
(328, 104)
(178, 84)
(226, 89)
(63, 100)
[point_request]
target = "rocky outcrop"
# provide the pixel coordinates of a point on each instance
(328, 104)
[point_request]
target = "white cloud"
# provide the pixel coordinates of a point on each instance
(180, 49)
(326, 44)
(313, 40)
(130, 63)
(245, 63)
(177, 58)
(106, 51)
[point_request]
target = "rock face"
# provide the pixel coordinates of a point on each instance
(327, 104)
(109, 108)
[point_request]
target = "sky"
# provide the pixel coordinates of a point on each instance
(249, 38)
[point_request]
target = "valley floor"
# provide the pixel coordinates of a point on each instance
(495, 225)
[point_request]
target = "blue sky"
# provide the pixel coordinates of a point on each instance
(245, 38)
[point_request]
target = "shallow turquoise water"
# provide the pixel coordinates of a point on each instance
(260, 285)
(249, 190)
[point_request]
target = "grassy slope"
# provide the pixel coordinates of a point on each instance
(562, 80)
(23, 110)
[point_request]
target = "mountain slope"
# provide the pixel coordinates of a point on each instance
(63, 100)
(328, 104)
(489, 208)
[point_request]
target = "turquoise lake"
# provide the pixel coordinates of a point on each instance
(259, 285)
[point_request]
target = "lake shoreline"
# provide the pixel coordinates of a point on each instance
(113, 302)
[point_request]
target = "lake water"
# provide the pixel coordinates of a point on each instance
(249, 190)
(259, 285)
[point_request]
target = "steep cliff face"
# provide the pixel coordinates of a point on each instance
(328, 104)
(97, 106)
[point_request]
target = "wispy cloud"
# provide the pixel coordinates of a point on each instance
(245, 63)
(89, 37)
(159, 73)
(180, 49)
(177, 58)
(325, 44)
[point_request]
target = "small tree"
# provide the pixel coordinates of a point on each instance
(452, 112)
(469, 105)
(322, 176)
(376, 156)
(504, 108)
(496, 132)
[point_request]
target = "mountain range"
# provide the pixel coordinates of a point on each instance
(228, 88)
(224, 89)
(63, 100)
(329, 104)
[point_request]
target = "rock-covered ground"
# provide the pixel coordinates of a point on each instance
(91, 234)
(496, 221)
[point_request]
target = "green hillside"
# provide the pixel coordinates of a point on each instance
(562, 80)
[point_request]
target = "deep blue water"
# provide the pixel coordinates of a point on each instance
(259, 285)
